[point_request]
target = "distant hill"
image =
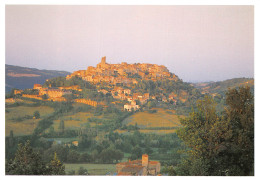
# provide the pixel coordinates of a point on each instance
(221, 87)
(24, 77)
(218, 89)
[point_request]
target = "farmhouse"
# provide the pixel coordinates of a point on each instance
(132, 106)
(141, 167)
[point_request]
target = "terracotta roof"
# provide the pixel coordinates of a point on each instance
(134, 162)
(153, 162)
(132, 168)
(124, 174)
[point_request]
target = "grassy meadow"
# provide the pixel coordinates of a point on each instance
(74, 121)
(93, 169)
(163, 121)
(27, 126)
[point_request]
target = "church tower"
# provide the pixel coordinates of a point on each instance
(103, 63)
(103, 60)
(145, 160)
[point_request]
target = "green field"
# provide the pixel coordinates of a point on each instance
(27, 126)
(74, 121)
(93, 169)
(152, 122)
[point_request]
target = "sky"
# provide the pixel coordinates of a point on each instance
(197, 43)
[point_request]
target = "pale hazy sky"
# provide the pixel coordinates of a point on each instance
(197, 43)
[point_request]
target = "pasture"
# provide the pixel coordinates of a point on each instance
(75, 121)
(154, 121)
(93, 169)
(27, 126)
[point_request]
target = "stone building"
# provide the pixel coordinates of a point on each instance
(17, 91)
(142, 167)
(37, 86)
(132, 106)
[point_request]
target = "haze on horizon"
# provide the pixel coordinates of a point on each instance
(197, 43)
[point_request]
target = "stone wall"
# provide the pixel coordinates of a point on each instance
(87, 101)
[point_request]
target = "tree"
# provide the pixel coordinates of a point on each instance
(240, 114)
(11, 139)
(197, 133)
(85, 157)
(220, 145)
(56, 167)
(118, 155)
(36, 114)
(62, 126)
(62, 153)
(26, 162)
(73, 156)
(44, 97)
(136, 153)
(169, 170)
(148, 150)
(82, 171)
(151, 104)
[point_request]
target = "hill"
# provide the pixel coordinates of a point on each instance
(218, 89)
(221, 86)
(24, 77)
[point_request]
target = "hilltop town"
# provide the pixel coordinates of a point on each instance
(114, 79)
(123, 73)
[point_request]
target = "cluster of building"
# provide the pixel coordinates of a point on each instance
(142, 167)
(121, 73)
(56, 94)
(125, 94)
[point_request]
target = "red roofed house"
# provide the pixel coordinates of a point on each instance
(142, 167)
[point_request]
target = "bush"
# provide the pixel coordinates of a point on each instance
(73, 157)
(152, 111)
(82, 171)
(71, 172)
(36, 114)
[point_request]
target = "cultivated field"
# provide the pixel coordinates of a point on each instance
(27, 126)
(164, 131)
(93, 169)
(75, 121)
(151, 121)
